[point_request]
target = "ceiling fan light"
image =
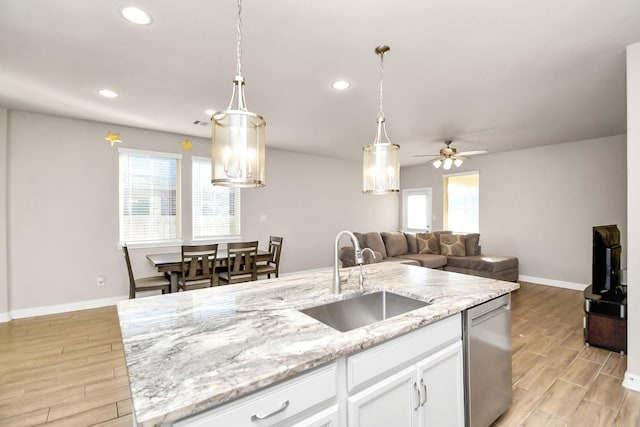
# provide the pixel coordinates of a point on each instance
(447, 163)
(437, 163)
(458, 162)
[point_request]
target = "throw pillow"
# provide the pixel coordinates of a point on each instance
(412, 244)
(452, 244)
(395, 243)
(373, 241)
(472, 243)
(427, 243)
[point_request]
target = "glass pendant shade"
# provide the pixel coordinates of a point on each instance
(381, 164)
(237, 143)
(457, 162)
(437, 163)
(447, 163)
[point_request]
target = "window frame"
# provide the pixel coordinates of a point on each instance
(428, 193)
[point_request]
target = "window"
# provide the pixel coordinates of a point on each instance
(215, 210)
(149, 197)
(416, 209)
(461, 202)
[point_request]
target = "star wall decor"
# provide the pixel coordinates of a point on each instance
(112, 138)
(186, 145)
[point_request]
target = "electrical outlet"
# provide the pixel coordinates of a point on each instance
(100, 280)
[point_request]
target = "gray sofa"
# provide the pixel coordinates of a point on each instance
(460, 253)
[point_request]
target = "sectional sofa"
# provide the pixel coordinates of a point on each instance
(460, 253)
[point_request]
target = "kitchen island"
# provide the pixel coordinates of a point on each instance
(192, 351)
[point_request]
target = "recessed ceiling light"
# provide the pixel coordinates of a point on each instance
(135, 15)
(209, 112)
(108, 93)
(340, 85)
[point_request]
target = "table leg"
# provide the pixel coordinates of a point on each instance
(174, 281)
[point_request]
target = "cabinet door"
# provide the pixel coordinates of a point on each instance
(441, 388)
(390, 402)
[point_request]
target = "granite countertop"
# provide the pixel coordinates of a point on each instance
(190, 351)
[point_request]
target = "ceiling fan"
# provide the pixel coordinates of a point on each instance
(449, 156)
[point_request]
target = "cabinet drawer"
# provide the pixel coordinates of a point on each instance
(396, 354)
(274, 404)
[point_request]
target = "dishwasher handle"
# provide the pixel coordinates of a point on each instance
(482, 316)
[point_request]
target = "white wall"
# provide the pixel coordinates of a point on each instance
(540, 204)
(63, 208)
(308, 200)
(4, 284)
(632, 377)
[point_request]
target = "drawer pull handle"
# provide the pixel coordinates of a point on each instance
(415, 385)
(257, 417)
(424, 388)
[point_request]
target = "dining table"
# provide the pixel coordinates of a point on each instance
(171, 263)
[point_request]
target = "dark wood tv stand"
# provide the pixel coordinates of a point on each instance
(605, 321)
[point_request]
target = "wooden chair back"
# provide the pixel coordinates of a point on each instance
(275, 247)
(152, 283)
(198, 264)
(241, 260)
(132, 280)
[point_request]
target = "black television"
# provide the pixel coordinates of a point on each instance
(606, 260)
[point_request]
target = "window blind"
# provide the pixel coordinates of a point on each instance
(149, 197)
(215, 210)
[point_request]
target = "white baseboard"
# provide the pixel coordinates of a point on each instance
(553, 282)
(63, 308)
(4, 317)
(631, 381)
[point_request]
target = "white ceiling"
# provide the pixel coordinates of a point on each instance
(494, 74)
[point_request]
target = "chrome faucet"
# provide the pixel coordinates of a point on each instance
(361, 276)
(337, 280)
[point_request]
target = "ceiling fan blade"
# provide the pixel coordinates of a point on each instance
(426, 155)
(473, 153)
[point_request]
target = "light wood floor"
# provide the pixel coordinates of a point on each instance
(68, 369)
(557, 380)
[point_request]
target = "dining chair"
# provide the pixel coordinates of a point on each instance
(272, 266)
(198, 266)
(241, 263)
(152, 283)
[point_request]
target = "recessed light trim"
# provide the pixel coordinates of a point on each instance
(340, 85)
(135, 15)
(108, 93)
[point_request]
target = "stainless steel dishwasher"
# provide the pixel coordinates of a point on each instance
(487, 361)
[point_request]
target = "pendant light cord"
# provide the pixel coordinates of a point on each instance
(239, 41)
(381, 112)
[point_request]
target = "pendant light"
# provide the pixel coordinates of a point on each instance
(381, 159)
(237, 135)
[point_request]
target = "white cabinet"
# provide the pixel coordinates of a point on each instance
(441, 388)
(325, 418)
(390, 402)
(302, 399)
(413, 380)
(428, 391)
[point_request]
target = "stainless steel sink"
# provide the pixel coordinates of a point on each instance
(363, 310)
